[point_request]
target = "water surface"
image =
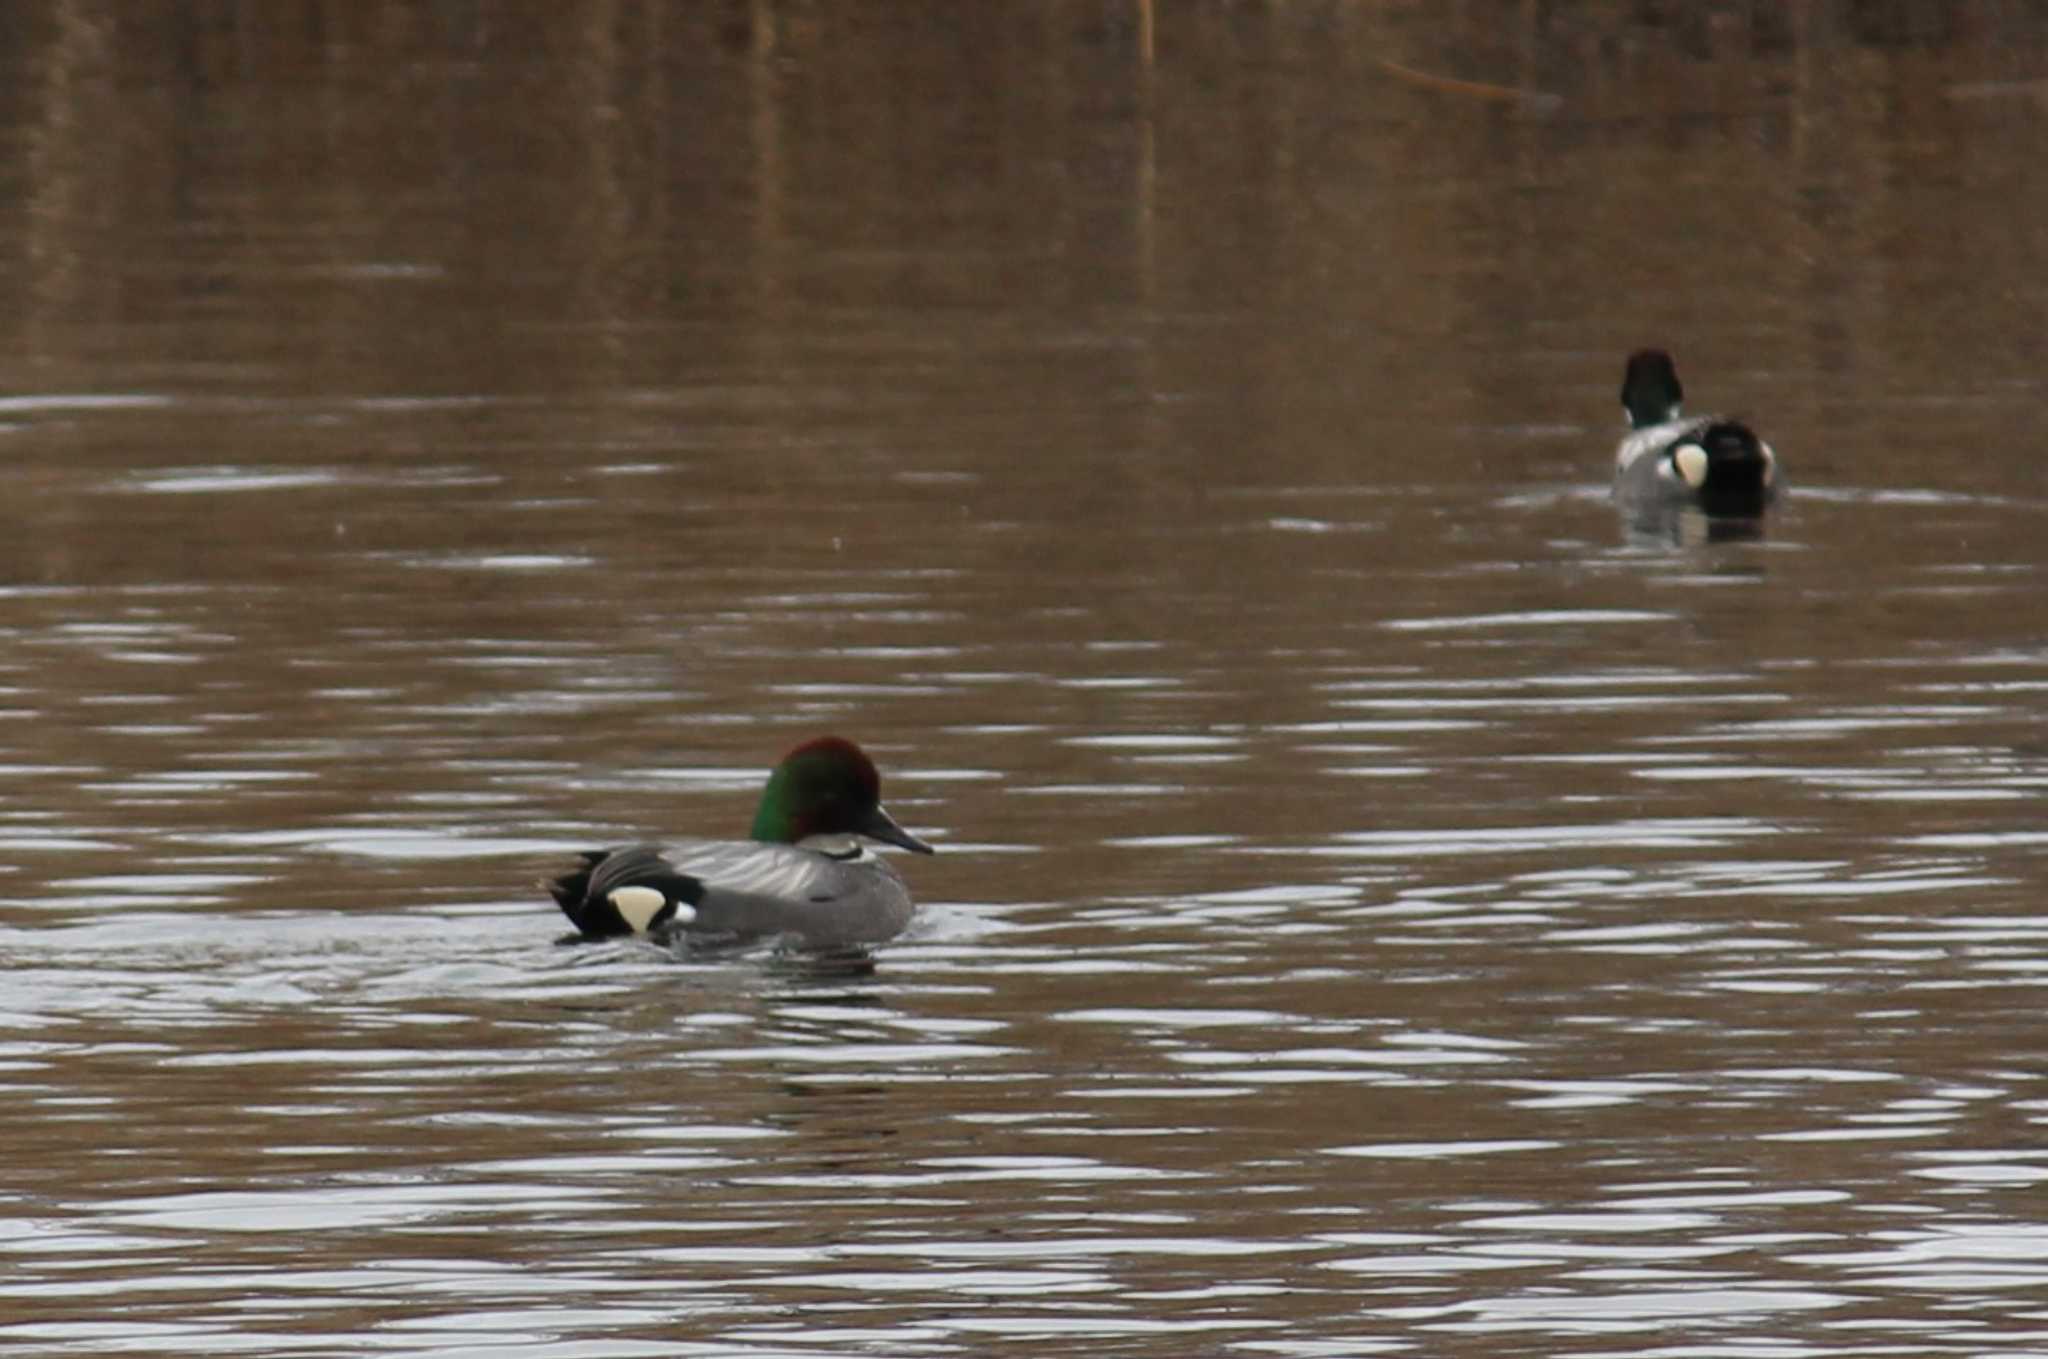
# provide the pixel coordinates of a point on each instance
(1387, 902)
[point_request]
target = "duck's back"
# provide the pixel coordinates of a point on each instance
(754, 868)
(1636, 459)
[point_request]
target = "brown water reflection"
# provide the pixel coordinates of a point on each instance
(1386, 904)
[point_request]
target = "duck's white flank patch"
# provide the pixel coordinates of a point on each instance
(637, 905)
(1691, 462)
(1770, 463)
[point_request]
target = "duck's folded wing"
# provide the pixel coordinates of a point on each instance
(752, 868)
(752, 890)
(1640, 449)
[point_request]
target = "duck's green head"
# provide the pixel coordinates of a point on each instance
(827, 787)
(1650, 390)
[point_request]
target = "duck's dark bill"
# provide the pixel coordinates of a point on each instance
(881, 826)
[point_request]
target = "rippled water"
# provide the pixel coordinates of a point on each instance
(1387, 903)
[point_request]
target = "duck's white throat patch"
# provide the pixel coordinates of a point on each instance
(845, 848)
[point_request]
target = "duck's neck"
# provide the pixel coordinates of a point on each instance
(790, 807)
(1645, 411)
(775, 819)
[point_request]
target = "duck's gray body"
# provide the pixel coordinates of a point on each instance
(826, 892)
(1705, 460)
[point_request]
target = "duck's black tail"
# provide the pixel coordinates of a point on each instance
(1740, 469)
(626, 891)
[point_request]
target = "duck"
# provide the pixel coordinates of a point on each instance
(805, 874)
(1712, 462)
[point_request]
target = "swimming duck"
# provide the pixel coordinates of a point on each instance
(804, 874)
(1710, 461)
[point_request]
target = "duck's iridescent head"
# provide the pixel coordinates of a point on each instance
(1650, 390)
(827, 786)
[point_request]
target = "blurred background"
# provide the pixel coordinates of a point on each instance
(1387, 902)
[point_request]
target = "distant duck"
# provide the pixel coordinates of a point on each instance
(1708, 461)
(805, 875)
